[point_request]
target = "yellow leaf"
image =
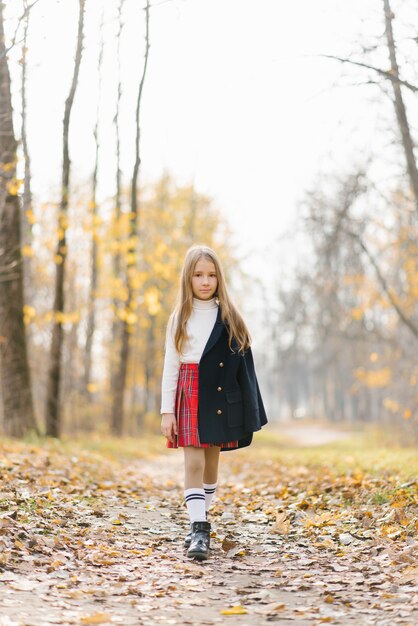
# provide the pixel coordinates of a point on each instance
(13, 186)
(27, 251)
(374, 378)
(357, 313)
(235, 610)
(131, 318)
(6, 167)
(96, 618)
(30, 216)
(391, 405)
(399, 504)
(152, 301)
(29, 311)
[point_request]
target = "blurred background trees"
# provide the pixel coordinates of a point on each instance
(350, 317)
(82, 350)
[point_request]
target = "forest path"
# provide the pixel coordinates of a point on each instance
(302, 434)
(113, 551)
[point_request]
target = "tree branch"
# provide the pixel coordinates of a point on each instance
(19, 21)
(385, 73)
(406, 321)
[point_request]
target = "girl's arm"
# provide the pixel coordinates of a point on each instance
(170, 371)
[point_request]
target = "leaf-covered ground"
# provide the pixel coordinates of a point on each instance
(91, 533)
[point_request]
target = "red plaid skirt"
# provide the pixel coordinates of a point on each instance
(186, 410)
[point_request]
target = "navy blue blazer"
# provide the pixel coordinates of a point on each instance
(230, 403)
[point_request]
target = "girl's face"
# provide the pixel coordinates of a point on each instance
(204, 279)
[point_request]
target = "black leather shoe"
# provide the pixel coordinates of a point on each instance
(188, 537)
(199, 544)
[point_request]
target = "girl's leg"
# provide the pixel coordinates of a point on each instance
(210, 474)
(200, 464)
(194, 465)
(194, 494)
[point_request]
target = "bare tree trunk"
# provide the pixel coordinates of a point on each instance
(118, 196)
(91, 320)
(27, 194)
(401, 116)
(116, 331)
(120, 378)
(15, 375)
(70, 393)
(149, 367)
(53, 420)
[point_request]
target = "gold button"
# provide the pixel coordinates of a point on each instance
(221, 364)
(219, 389)
(219, 412)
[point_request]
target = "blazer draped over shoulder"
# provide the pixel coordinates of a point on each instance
(230, 403)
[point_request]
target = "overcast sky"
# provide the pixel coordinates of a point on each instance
(235, 99)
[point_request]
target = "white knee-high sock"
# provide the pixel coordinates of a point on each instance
(209, 493)
(195, 502)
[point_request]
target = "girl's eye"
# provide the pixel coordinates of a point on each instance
(199, 274)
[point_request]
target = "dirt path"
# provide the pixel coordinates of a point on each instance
(311, 434)
(121, 560)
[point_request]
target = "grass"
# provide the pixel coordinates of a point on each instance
(379, 498)
(361, 451)
(113, 448)
(367, 450)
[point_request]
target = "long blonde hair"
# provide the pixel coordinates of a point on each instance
(233, 320)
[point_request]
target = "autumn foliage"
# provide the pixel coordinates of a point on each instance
(318, 534)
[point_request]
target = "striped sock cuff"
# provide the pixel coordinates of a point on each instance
(194, 496)
(195, 501)
(210, 488)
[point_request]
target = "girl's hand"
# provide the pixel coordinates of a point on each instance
(169, 426)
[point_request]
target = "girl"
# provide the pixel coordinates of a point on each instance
(210, 396)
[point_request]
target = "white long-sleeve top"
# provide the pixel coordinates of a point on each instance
(199, 328)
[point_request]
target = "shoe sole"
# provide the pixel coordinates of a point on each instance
(198, 555)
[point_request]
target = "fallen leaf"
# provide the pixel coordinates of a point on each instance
(235, 610)
(96, 618)
(228, 544)
(282, 523)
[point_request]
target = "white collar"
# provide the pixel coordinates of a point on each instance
(205, 304)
